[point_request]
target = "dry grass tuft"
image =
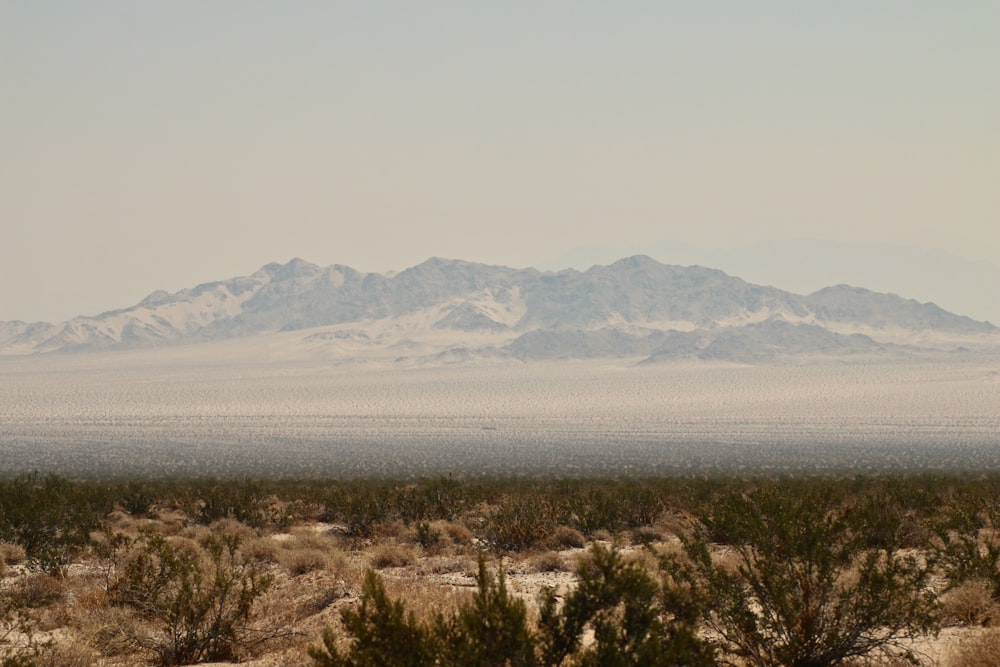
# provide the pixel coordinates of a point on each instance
(390, 554)
(307, 538)
(112, 631)
(262, 550)
(568, 538)
(646, 535)
(447, 565)
(12, 554)
(398, 531)
(234, 528)
(456, 532)
(427, 599)
(37, 590)
(547, 561)
(302, 561)
(602, 535)
(970, 603)
(980, 651)
(71, 655)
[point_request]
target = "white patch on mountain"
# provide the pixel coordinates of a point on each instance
(454, 312)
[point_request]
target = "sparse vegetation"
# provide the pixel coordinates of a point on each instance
(807, 587)
(693, 571)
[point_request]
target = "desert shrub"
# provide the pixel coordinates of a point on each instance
(202, 600)
(807, 588)
(246, 501)
(12, 554)
(568, 538)
(302, 561)
(969, 603)
(113, 630)
(19, 645)
(621, 603)
(37, 590)
(632, 621)
(440, 498)
(547, 561)
(262, 550)
(492, 629)
(966, 551)
(983, 650)
(390, 554)
(363, 511)
(455, 532)
(597, 509)
(427, 536)
(50, 517)
(646, 535)
(383, 634)
(518, 523)
(136, 498)
(232, 527)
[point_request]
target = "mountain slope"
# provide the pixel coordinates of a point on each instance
(633, 307)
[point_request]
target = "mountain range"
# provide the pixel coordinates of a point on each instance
(452, 310)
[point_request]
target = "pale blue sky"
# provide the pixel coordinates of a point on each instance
(157, 145)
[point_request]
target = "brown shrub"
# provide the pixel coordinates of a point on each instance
(446, 565)
(425, 599)
(565, 537)
(980, 651)
(71, 655)
(969, 603)
(262, 550)
(12, 554)
(396, 530)
(389, 554)
(232, 527)
(37, 590)
(646, 535)
(301, 561)
(456, 532)
(547, 561)
(113, 631)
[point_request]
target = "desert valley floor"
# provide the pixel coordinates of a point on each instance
(198, 410)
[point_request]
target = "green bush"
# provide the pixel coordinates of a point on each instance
(633, 622)
(518, 523)
(50, 517)
(806, 588)
(492, 630)
(384, 634)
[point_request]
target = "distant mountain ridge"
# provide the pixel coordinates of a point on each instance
(633, 307)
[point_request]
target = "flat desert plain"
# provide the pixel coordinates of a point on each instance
(209, 410)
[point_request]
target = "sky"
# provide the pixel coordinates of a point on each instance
(149, 146)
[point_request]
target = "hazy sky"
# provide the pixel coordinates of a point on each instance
(148, 145)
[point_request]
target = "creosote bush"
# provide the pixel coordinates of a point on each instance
(633, 618)
(809, 587)
(619, 602)
(49, 517)
(200, 597)
(792, 565)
